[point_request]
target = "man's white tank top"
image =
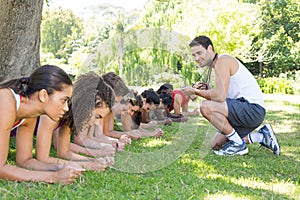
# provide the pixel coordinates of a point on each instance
(243, 84)
(18, 102)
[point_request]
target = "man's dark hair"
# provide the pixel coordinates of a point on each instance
(166, 99)
(151, 96)
(203, 41)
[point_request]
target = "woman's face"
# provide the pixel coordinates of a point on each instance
(147, 106)
(169, 91)
(57, 105)
(98, 114)
(118, 108)
(133, 109)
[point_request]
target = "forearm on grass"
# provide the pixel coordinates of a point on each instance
(15, 173)
(33, 164)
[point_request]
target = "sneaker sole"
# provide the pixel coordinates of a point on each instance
(244, 152)
(241, 153)
(268, 125)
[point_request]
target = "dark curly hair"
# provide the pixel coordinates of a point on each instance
(137, 100)
(90, 91)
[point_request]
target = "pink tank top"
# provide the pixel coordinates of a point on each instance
(184, 100)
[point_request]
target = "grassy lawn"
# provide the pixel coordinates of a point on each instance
(180, 165)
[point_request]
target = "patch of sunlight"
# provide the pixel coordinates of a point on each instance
(279, 106)
(280, 101)
(280, 187)
(284, 126)
(282, 97)
(215, 176)
(224, 197)
(291, 151)
(156, 143)
(199, 165)
(12, 150)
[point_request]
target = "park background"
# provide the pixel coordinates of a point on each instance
(147, 45)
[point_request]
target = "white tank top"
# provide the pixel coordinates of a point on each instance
(18, 102)
(243, 84)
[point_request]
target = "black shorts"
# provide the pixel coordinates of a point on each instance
(243, 116)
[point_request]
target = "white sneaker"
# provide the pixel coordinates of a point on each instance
(269, 140)
(232, 148)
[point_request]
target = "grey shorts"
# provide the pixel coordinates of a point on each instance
(243, 116)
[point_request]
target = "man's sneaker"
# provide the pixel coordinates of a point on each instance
(269, 140)
(232, 148)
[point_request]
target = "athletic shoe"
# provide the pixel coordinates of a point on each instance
(269, 141)
(232, 148)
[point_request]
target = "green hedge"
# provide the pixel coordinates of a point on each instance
(272, 85)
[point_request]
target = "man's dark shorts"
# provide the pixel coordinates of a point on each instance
(243, 116)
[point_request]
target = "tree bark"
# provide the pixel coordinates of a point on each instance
(261, 70)
(120, 54)
(20, 22)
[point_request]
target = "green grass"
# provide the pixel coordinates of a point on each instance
(181, 166)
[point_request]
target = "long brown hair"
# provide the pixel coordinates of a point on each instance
(89, 92)
(48, 77)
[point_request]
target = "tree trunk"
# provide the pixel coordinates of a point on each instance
(20, 22)
(261, 70)
(120, 55)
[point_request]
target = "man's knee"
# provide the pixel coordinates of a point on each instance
(205, 108)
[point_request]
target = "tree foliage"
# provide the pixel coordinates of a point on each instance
(61, 30)
(278, 40)
(264, 34)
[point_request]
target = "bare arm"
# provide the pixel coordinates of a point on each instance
(223, 69)
(8, 117)
(63, 147)
(108, 129)
(157, 132)
(64, 151)
(126, 121)
(177, 103)
(43, 141)
(24, 149)
(101, 137)
(185, 110)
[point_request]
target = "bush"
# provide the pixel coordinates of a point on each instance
(279, 84)
(296, 83)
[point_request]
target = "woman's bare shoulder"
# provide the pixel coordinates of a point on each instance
(7, 98)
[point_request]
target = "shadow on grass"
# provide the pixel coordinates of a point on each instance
(280, 115)
(285, 103)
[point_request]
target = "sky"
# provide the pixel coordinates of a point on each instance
(78, 5)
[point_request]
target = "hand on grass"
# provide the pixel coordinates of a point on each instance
(68, 174)
(159, 132)
(125, 139)
(134, 134)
